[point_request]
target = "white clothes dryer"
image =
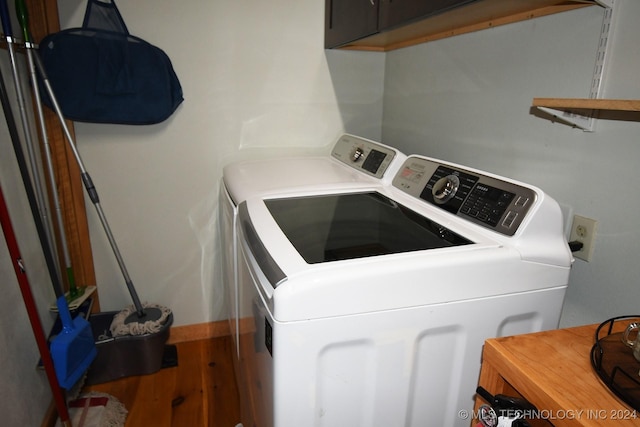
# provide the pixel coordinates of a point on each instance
(367, 302)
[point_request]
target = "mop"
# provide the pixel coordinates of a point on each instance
(96, 409)
(136, 319)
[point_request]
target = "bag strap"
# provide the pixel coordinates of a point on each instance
(104, 15)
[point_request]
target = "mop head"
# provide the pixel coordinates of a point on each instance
(127, 321)
(96, 410)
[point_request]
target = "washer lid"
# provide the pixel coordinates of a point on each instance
(335, 227)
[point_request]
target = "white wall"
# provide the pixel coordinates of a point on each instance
(467, 99)
(256, 82)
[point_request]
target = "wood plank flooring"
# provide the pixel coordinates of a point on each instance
(200, 391)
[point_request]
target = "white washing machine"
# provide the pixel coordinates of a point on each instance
(366, 302)
(352, 162)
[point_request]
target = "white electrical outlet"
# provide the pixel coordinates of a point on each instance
(583, 230)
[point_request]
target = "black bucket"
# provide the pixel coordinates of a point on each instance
(125, 356)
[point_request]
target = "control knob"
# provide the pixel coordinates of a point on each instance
(445, 188)
(357, 154)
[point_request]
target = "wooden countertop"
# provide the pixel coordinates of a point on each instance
(552, 370)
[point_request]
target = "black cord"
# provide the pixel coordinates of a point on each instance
(576, 246)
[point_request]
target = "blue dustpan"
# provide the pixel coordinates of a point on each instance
(73, 349)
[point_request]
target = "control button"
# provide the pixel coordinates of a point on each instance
(509, 219)
(522, 201)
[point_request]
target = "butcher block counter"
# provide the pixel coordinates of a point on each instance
(552, 370)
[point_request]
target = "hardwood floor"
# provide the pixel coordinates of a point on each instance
(200, 391)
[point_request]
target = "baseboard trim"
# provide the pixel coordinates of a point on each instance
(198, 331)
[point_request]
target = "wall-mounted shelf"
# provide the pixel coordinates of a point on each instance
(478, 15)
(573, 104)
(582, 112)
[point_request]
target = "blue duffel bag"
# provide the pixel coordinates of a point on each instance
(102, 74)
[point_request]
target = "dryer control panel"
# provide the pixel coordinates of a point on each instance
(488, 200)
(365, 155)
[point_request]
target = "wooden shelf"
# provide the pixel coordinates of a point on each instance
(479, 15)
(572, 104)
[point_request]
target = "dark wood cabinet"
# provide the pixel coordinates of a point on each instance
(382, 25)
(350, 20)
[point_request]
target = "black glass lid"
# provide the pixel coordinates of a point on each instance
(345, 226)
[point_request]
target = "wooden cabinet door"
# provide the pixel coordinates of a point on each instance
(348, 20)
(397, 12)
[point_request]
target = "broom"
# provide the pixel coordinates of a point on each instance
(73, 349)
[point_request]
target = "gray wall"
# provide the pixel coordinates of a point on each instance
(467, 99)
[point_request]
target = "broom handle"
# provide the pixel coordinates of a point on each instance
(9, 235)
(24, 118)
(32, 312)
(26, 179)
(74, 292)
